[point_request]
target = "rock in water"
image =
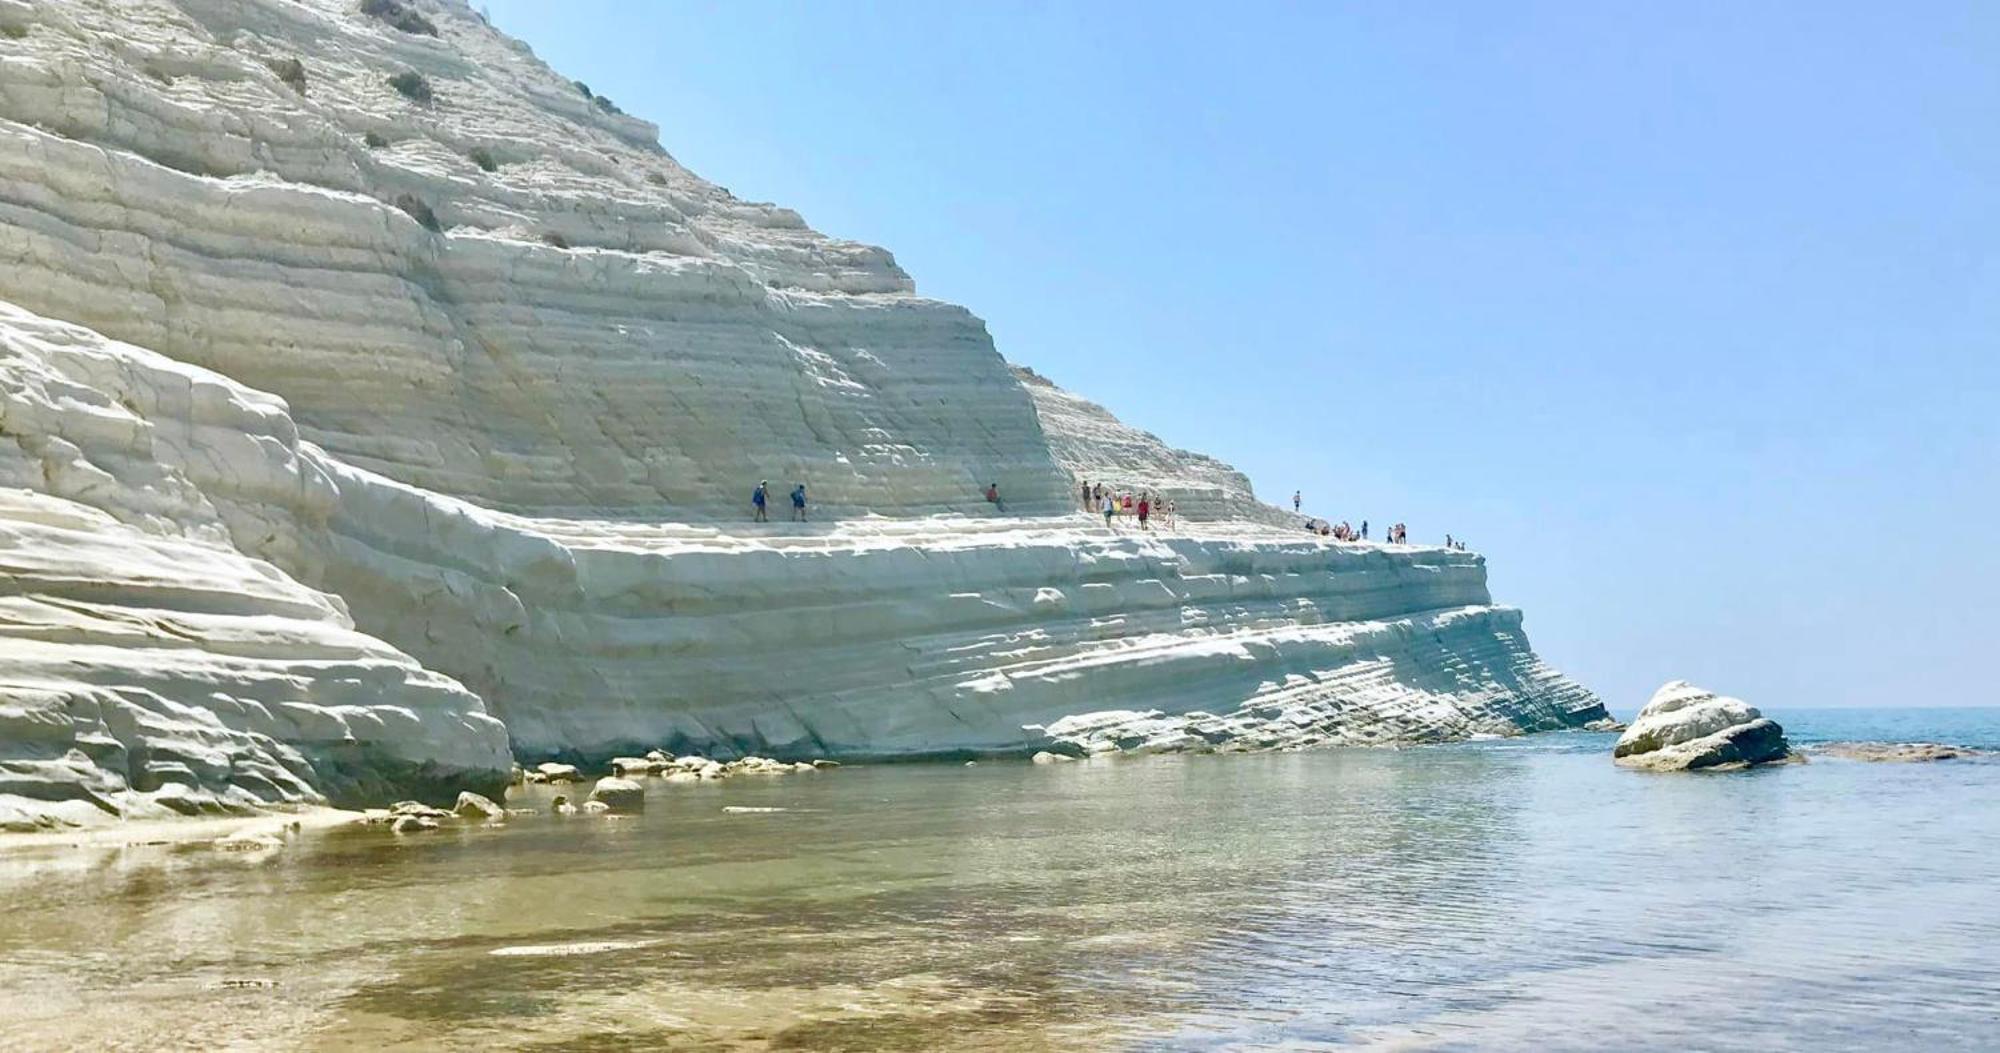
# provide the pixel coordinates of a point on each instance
(474, 806)
(412, 824)
(1896, 752)
(619, 795)
(635, 766)
(554, 772)
(1685, 728)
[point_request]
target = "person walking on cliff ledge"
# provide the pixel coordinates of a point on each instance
(1295, 502)
(1086, 495)
(799, 503)
(758, 499)
(1109, 508)
(993, 497)
(1145, 509)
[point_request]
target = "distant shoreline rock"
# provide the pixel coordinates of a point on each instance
(1688, 728)
(1897, 752)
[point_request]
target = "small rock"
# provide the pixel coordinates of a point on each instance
(595, 808)
(248, 843)
(561, 806)
(411, 824)
(474, 806)
(659, 757)
(418, 809)
(1045, 757)
(683, 776)
(619, 795)
(633, 766)
(824, 764)
(553, 772)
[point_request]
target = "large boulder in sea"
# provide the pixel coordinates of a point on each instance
(1686, 728)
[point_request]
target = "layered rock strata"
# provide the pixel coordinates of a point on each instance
(148, 664)
(356, 435)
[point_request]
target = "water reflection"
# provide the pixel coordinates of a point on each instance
(1520, 894)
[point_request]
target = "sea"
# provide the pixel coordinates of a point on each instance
(1516, 894)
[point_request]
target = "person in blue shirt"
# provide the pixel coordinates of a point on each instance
(758, 498)
(799, 502)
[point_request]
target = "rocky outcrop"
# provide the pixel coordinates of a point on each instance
(1687, 728)
(1897, 752)
(316, 494)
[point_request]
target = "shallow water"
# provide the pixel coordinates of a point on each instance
(1495, 895)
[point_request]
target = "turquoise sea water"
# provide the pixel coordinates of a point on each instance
(1975, 727)
(1518, 894)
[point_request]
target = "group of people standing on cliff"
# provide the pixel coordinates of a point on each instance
(1112, 503)
(1341, 531)
(760, 499)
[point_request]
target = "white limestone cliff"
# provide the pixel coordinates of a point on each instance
(306, 500)
(148, 665)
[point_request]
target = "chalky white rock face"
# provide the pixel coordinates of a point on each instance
(147, 664)
(164, 186)
(308, 499)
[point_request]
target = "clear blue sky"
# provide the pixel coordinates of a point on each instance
(1686, 314)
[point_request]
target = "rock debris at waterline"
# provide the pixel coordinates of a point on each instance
(613, 794)
(1687, 728)
(360, 438)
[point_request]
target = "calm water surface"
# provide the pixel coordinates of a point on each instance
(1498, 895)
